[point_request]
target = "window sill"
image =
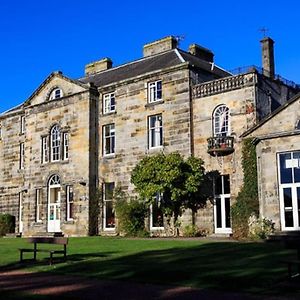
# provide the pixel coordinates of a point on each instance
(109, 229)
(109, 113)
(38, 223)
(55, 162)
(109, 156)
(150, 104)
(156, 149)
(70, 222)
(157, 228)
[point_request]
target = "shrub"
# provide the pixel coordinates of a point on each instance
(191, 231)
(131, 218)
(260, 228)
(7, 224)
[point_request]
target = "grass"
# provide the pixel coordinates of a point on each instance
(227, 266)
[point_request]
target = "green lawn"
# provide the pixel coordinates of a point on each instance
(232, 266)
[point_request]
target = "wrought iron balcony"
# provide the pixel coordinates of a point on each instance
(220, 145)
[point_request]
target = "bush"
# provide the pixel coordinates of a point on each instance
(7, 224)
(260, 228)
(131, 218)
(191, 231)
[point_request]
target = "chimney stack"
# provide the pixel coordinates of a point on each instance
(98, 66)
(268, 64)
(201, 52)
(159, 46)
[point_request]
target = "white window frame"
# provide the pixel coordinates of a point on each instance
(38, 206)
(157, 129)
(158, 199)
(109, 103)
(221, 121)
(22, 124)
(22, 156)
(66, 146)
(56, 94)
(55, 143)
(155, 91)
(111, 137)
(45, 149)
(105, 201)
(70, 202)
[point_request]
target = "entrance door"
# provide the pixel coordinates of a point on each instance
(289, 189)
(222, 205)
(290, 207)
(54, 204)
(20, 212)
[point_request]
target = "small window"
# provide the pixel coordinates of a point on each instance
(108, 207)
(70, 203)
(109, 139)
(45, 149)
(1, 132)
(55, 94)
(221, 124)
(55, 143)
(154, 91)
(109, 104)
(22, 156)
(155, 131)
(66, 146)
(22, 124)
(156, 213)
(38, 205)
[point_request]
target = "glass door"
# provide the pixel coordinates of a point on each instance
(222, 205)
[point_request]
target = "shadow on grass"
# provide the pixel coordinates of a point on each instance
(241, 267)
(222, 266)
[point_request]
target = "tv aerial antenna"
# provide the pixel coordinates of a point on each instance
(179, 38)
(264, 31)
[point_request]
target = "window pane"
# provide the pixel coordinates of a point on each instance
(157, 215)
(227, 212)
(226, 182)
(109, 189)
(285, 168)
(218, 185)
(110, 215)
(218, 212)
(296, 157)
(287, 196)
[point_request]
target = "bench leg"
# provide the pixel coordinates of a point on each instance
(21, 255)
(51, 258)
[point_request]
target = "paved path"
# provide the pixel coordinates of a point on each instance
(75, 287)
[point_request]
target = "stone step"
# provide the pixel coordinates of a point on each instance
(13, 235)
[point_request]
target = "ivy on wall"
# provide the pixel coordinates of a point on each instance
(247, 199)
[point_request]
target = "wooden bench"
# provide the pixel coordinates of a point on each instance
(46, 240)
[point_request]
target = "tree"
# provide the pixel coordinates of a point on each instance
(179, 180)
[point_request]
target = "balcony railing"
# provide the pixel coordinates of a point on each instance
(220, 145)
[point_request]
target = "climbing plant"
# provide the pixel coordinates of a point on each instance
(247, 199)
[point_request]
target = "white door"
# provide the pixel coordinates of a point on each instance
(289, 189)
(222, 214)
(222, 205)
(54, 204)
(20, 212)
(290, 207)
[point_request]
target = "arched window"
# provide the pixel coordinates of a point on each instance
(54, 181)
(55, 94)
(221, 122)
(55, 143)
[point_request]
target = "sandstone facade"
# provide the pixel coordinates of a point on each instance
(104, 128)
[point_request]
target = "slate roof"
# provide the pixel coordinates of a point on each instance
(149, 64)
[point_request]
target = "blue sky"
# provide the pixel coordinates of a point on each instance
(38, 37)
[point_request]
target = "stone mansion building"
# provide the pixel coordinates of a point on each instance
(73, 136)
